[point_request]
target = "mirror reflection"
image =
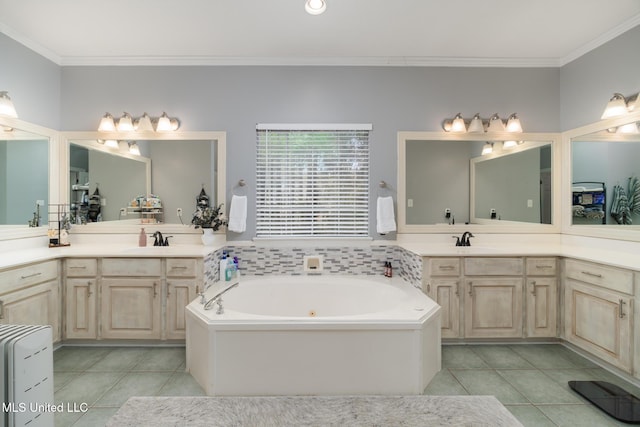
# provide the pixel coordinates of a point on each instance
(24, 177)
(605, 178)
(151, 187)
(514, 186)
(452, 182)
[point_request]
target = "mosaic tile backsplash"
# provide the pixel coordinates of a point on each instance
(257, 261)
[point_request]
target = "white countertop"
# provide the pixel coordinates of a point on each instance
(617, 253)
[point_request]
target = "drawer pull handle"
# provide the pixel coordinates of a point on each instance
(31, 275)
(1, 309)
(428, 288)
(89, 289)
(533, 288)
(155, 289)
(168, 289)
(457, 287)
(588, 273)
(471, 288)
(179, 267)
(544, 266)
(78, 267)
(446, 267)
(621, 309)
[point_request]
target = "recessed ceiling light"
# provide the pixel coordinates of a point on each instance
(315, 7)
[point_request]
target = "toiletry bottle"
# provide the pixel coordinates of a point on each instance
(390, 270)
(223, 265)
(237, 264)
(142, 241)
(386, 269)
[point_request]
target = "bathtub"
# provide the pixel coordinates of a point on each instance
(314, 335)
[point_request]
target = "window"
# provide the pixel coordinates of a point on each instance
(312, 180)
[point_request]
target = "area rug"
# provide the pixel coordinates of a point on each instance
(297, 411)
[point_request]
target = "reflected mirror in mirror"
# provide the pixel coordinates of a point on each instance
(24, 177)
(514, 186)
(605, 179)
(178, 170)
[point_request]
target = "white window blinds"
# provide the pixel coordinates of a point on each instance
(312, 181)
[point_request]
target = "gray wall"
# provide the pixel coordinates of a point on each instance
(587, 83)
(33, 83)
(234, 99)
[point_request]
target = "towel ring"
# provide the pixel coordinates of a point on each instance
(384, 189)
(240, 185)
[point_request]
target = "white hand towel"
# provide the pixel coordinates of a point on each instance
(238, 214)
(386, 216)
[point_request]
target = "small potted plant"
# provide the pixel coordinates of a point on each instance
(210, 219)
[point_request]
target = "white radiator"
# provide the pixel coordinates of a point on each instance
(26, 370)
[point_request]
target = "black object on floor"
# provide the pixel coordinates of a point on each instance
(615, 401)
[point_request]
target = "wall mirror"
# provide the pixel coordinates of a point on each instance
(27, 152)
(445, 181)
(602, 193)
(171, 170)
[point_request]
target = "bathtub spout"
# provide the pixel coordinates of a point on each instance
(218, 298)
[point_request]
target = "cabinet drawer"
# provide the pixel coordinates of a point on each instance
(181, 267)
(81, 267)
(608, 277)
(28, 275)
(444, 266)
(541, 266)
(131, 267)
(493, 266)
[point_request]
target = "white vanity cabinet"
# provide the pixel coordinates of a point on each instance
(184, 277)
(493, 297)
(441, 281)
(30, 295)
(541, 297)
(81, 296)
(598, 311)
(131, 301)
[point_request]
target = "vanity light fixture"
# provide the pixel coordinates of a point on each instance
(111, 143)
(488, 148)
(315, 7)
(496, 124)
(134, 149)
(476, 125)
(629, 128)
(617, 106)
(513, 124)
(6, 106)
(457, 125)
(125, 123)
(107, 124)
(143, 124)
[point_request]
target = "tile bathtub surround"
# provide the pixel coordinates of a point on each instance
(358, 260)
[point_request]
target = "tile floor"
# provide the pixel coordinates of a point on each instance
(530, 380)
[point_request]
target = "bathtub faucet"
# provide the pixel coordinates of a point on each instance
(218, 299)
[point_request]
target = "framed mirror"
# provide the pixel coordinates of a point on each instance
(601, 194)
(446, 183)
(28, 183)
(158, 186)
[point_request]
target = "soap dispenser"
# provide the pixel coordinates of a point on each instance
(142, 241)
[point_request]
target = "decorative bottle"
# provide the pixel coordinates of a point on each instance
(142, 241)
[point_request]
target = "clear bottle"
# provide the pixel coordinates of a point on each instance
(223, 265)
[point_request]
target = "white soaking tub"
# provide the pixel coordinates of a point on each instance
(314, 335)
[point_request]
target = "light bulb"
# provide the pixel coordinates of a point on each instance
(315, 7)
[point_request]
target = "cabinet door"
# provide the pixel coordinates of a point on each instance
(180, 292)
(130, 308)
(493, 307)
(446, 292)
(541, 307)
(599, 321)
(35, 305)
(80, 305)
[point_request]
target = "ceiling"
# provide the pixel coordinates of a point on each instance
(513, 33)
